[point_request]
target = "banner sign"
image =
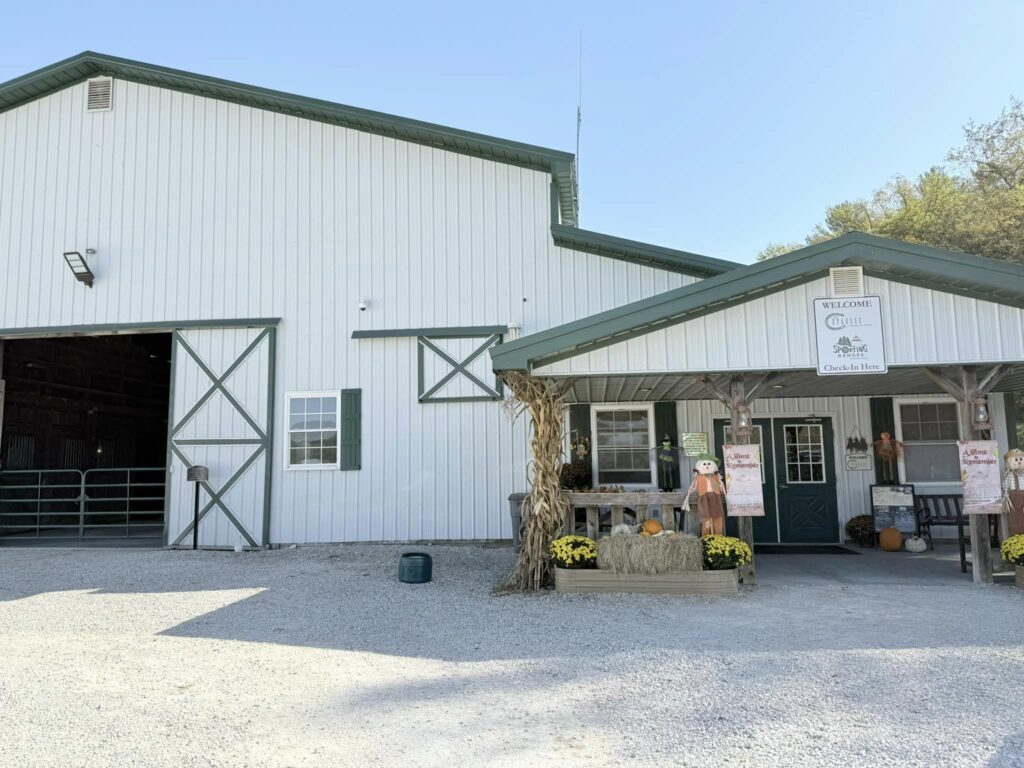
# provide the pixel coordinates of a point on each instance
(979, 473)
(743, 491)
(849, 336)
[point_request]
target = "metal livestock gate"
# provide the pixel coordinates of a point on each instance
(221, 416)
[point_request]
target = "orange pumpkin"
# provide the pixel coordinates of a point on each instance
(890, 540)
(652, 527)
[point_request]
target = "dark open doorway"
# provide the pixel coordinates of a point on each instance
(83, 437)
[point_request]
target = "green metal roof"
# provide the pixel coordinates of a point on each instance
(561, 165)
(956, 273)
(640, 253)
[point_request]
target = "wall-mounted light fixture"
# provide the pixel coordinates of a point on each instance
(79, 267)
(981, 417)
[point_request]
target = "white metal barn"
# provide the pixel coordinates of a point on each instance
(336, 291)
(332, 278)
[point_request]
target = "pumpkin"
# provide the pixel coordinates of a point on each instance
(890, 540)
(644, 533)
(652, 527)
(915, 544)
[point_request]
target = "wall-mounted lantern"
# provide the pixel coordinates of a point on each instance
(981, 417)
(744, 424)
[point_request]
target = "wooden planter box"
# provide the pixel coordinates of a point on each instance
(694, 583)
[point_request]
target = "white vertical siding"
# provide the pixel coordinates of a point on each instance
(199, 209)
(776, 332)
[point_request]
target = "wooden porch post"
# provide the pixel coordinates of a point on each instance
(966, 391)
(981, 540)
(737, 398)
(744, 524)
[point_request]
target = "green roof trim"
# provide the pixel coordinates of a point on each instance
(957, 273)
(561, 165)
(640, 253)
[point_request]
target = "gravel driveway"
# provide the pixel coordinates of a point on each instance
(319, 657)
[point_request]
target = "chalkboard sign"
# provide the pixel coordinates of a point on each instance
(892, 506)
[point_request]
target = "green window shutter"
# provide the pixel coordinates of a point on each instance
(350, 435)
(579, 420)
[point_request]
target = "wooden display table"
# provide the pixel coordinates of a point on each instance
(639, 502)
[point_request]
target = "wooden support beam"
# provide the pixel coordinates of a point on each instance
(744, 525)
(719, 393)
(981, 542)
(759, 383)
(950, 387)
(991, 379)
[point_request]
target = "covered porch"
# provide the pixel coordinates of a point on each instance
(735, 358)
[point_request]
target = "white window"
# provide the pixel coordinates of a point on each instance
(622, 445)
(929, 432)
(312, 430)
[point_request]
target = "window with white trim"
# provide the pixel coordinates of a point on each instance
(622, 446)
(929, 432)
(312, 430)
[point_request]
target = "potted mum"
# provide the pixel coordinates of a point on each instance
(723, 553)
(574, 552)
(1013, 552)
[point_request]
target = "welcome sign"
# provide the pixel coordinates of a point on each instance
(849, 336)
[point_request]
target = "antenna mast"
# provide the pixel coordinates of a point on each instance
(579, 113)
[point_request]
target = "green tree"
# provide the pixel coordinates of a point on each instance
(975, 205)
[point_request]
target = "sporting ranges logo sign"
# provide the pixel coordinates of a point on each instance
(849, 336)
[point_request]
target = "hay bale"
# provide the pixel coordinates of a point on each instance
(679, 553)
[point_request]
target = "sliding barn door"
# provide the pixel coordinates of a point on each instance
(221, 418)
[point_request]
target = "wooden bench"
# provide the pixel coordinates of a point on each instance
(947, 509)
(943, 509)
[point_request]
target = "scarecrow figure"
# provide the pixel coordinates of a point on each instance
(668, 479)
(1013, 490)
(710, 489)
(888, 451)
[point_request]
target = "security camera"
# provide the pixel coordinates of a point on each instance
(362, 305)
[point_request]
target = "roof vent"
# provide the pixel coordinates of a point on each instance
(846, 281)
(99, 94)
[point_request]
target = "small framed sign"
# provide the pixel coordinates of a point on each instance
(694, 443)
(893, 506)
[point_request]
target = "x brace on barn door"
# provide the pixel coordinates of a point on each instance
(428, 395)
(261, 440)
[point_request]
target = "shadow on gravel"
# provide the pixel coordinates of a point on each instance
(349, 598)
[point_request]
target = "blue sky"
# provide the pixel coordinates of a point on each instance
(714, 127)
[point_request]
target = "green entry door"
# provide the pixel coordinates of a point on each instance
(766, 529)
(805, 471)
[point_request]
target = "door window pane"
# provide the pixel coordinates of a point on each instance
(805, 453)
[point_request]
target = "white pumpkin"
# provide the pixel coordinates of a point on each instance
(915, 544)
